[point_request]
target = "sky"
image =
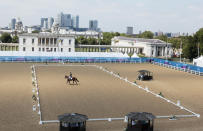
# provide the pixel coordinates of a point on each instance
(112, 15)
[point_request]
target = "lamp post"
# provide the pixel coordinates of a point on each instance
(99, 38)
(181, 51)
(198, 49)
(166, 48)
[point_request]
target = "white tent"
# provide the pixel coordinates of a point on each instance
(126, 55)
(198, 61)
(134, 56)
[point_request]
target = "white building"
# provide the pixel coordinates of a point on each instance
(198, 61)
(148, 47)
(46, 42)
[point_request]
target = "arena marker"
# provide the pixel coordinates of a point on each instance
(39, 112)
(40, 122)
(109, 119)
(147, 89)
(178, 103)
(126, 119)
(34, 108)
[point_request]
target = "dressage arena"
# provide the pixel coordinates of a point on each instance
(101, 93)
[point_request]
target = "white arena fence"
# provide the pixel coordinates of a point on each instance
(36, 91)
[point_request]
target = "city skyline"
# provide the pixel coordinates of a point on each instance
(167, 16)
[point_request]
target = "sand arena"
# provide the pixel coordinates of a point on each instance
(98, 95)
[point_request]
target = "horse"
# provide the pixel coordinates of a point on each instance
(74, 79)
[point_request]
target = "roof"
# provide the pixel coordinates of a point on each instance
(45, 35)
(154, 41)
(140, 116)
(72, 118)
(144, 71)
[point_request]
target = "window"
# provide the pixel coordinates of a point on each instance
(24, 49)
(33, 49)
(69, 42)
(61, 49)
(33, 41)
(69, 49)
(43, 49)
(24, 40)
(51, 49)
(61, 42)
(54, 49)
(39, 49)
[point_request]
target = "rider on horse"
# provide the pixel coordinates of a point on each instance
(70, 76)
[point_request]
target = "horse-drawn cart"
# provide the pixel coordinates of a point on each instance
(145, 75)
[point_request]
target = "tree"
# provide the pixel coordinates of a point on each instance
(147, 35)
(190, 48)
(15, 39)
(107, 36)
(36, 31)
(199, 39)
(6, 38)
(81, 40)
(175, 43)
(117, 34)
(92, 41)
(162, 37)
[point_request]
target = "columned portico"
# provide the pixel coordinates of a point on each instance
(147, 47)
(9, 47)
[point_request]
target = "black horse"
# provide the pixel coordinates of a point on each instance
(74, 79)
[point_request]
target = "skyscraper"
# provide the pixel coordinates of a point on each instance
(64, 20)
(59, 19)
(129, 30)
(45, 25)
(50, 22)
(93, 25)
(42, 21)
(13, 23)
(75, 22)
